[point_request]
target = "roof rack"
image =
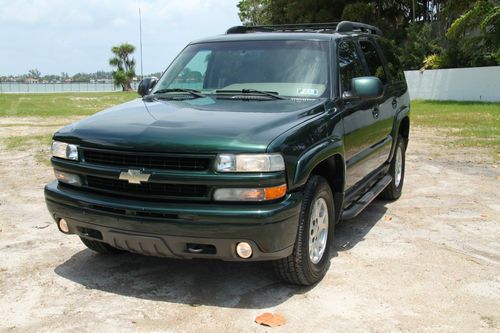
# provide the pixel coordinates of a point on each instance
(328, 27)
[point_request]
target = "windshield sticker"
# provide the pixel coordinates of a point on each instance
(307, 91)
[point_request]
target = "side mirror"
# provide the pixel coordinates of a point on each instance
(146, 85)
(365, 88)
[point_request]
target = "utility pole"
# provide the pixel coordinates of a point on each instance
(140, 40)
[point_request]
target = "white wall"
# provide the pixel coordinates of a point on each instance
(459, 84)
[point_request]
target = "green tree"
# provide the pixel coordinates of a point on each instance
(300, 11)
(475, 36)
(124, 65)
(419, 26)
(254, 12)
(360, 12)
(81, 77)
(420, 43)
(34, 73)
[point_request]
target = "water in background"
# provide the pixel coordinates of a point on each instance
(16, 87)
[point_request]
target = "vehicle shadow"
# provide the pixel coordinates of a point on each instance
(349, 233)
(201, 282)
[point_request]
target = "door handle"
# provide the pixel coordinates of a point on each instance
(394, 103)
(376, 113)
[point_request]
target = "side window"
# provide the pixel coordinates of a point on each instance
(349, 65)
(394, 66)
(191, 77)
(373, 61)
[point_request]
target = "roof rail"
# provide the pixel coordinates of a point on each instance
(307, 27)
(328, 27)
(348, 26)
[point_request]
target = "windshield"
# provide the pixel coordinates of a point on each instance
(288, 68)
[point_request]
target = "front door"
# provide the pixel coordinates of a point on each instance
(367, 124)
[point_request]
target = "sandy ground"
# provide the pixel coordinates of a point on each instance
(429, 262)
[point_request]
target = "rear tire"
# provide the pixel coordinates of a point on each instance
(397, 171)
(100, 247)
(310, 259)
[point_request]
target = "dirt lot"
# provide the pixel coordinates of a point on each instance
(429, 262)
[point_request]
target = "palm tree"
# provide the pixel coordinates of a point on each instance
(124, 64)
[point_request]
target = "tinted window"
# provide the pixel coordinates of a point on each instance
(349, 64)
(394, 66)
(373, 61)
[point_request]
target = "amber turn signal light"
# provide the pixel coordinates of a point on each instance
(250, 194)
(275, 192)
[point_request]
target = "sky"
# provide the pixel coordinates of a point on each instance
(75, 36)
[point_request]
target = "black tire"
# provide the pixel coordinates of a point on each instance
(299, 268)
(100, 247)
(394, 189)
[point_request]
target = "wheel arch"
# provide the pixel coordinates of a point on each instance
(333, 170)
(401, 126)
(404, 128)
(328, 163)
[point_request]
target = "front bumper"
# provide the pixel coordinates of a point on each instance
(171, 229)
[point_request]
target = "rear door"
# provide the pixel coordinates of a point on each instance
(396, 88)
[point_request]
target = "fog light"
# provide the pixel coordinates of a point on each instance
(63, 225)
(68, 178)
(244, 250)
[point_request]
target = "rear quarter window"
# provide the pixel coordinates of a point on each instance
(373, 60)
(394, 66)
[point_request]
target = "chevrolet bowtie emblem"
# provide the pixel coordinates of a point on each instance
(134, 176)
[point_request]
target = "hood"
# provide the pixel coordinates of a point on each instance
(202, 125)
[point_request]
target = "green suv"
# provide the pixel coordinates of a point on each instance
(251, 146)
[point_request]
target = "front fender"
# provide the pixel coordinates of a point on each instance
(311, 158)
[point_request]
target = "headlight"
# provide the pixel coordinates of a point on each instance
(249, 163)
(65, 150)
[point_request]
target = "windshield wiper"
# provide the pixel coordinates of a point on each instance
(252, 91)
(193, 92)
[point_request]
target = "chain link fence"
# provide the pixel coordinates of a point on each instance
(17, 87)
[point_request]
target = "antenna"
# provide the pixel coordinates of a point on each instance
(140, 40)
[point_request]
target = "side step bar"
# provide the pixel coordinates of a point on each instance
(365, 200)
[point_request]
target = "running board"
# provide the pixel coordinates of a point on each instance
(365, 200)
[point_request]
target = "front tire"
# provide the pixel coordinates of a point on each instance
(397, 171)
(310, 259)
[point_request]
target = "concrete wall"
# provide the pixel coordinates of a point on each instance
(459, 84)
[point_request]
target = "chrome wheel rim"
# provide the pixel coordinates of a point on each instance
(398, 170)
(318, 230)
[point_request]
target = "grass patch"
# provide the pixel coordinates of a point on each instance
(467, 124)
(27, 141)
(60, 104)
